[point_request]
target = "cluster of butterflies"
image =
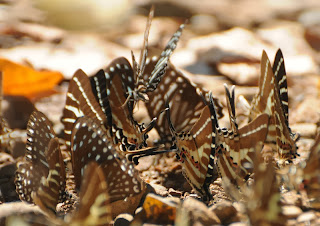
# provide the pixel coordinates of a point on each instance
(105, 141)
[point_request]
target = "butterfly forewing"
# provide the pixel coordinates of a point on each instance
(89, 143)
(268, 100)
(120, 85)
(230, 99)
(264, 100)
(161, 65)
(41, 177)
(184, 100)
(80, 101)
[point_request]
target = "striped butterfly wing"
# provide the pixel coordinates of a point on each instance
(282, 87)
(264, 101)
(146, 84)
(94, 205)
(184, 100)
(121, 86)
(268, 101)
(194, 151)
(89, 143)
(111, 89)
(280, 75)
(236, 148)
(121, 83)
(80, 101)
(41, 177)
(159, 69)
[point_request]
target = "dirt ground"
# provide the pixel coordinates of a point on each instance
(222, 43)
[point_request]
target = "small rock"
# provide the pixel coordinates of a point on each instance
(307, 217)
(291, 211)
(226, 212)
(201, 214)
(310, 17)
(306, 111)
(159, 189)
(305, 129)
(203, 24)
(238, 224)
(4, 158)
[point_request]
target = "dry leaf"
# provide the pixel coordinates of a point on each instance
(22, 80)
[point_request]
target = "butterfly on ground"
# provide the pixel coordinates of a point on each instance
(195, 150)
(40, 177)
(235, 149)
(183, 96)
(90, 143)
(113, 94)
(272, 98)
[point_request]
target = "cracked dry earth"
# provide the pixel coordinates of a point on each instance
(169, 199)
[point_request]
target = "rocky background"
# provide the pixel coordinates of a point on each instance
(222, 43)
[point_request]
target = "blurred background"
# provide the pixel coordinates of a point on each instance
(55, 34)
(222, 42)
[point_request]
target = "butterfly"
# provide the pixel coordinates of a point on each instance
(112, 91)
(184, 99)
(272, 98)
(195, 150)
(235, 148)
(40, 178)
(90, 143)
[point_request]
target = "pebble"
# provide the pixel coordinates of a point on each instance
(199, 215)
(226, 212)
(159, 189)
(291, 211)
(307, 217)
